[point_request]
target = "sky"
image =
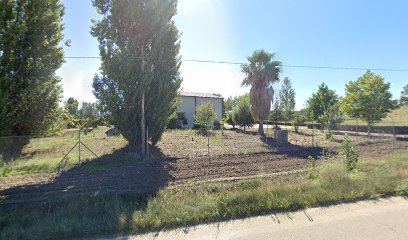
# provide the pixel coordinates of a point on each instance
(343, 33)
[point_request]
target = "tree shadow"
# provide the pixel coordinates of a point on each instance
(119, 172)
(237, 130)
(105, 192)
(292, 150)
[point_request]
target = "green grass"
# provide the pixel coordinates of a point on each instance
(180, 206)
(42, 155)
(398, 117)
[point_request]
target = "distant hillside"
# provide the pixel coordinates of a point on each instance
(399, 115)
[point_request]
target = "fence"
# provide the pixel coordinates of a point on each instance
(25, 154)
(101, 160)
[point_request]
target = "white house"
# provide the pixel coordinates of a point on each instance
(190, 101)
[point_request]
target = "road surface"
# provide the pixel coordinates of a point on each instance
(374, 219)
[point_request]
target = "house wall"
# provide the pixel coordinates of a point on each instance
(189, 105)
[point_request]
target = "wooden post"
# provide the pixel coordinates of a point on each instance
(142, 121)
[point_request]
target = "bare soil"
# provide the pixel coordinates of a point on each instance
(162, 172)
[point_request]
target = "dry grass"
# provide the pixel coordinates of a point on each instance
(188, 143)
(88, 216)
(42, 155)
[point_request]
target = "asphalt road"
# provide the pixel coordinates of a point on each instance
(374, 219)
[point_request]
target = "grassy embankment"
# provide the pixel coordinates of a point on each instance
(398, 117)
(182, 206)
(42, 155)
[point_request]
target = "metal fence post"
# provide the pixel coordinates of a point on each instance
(79, 146)
(208, 145)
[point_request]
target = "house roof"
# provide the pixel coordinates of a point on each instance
(202, 95)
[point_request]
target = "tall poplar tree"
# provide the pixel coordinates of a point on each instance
(138, 43)
(287, 99)
(30, 53)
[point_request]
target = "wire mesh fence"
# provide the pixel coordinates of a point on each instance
(101, 160)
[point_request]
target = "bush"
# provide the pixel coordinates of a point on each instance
(204, 116)
(402, 188)
(230, 120)
(350, 154)
(298, 120)
(329, 119)
(176, 121)
(217, 125)
(243, 115)
(313, 171)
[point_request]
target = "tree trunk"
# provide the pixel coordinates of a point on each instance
(260, 128)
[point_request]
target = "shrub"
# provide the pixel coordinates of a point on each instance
(217, 125)
(313, 171)
(298, 119)
(204, 116)
(243, 115)
(329, 119)
(402, 188)
(230, 120)
(350, 154)
(176, 121)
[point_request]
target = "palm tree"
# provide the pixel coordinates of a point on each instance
(261, 72)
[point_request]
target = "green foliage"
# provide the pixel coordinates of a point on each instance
(230, 120)
(329, 119)
(368, 98)
(242, 116)
(217, 125)
(72, 106)
(276, 113)
(30, 53)
(404, 96)
(177, 120)
(90, 115)
(260, 73)
(298, 119)
(138, 43)
(287, 100)
(229, 105)
(402, 188)
(324, 100)
(313, 171)
(350, 154)
(205, 115)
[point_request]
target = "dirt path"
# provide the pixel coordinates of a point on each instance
(157, 174)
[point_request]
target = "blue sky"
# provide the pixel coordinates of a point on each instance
(367, 34)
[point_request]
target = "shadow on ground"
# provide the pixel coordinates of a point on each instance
(297, 151)
(98, 196)
(119, 172)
